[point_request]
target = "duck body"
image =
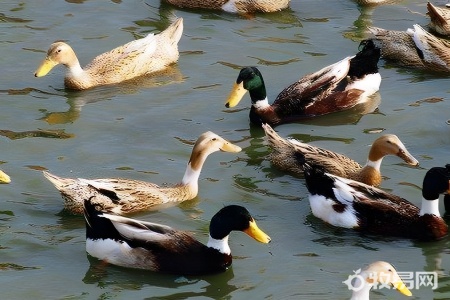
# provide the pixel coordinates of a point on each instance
(439, 19)
(379, 273)
(351, 204)
(234, 6)
(138, 244)
(414, 48)
(150, 54)
(337, 87)
(121, 196)
(289, 155)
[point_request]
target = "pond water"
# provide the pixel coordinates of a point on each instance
(145, 130)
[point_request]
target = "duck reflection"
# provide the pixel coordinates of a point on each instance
(78, 99)
(215, 286)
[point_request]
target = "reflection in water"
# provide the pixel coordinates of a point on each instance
(54, 134)
(210, 286)
(77, 99)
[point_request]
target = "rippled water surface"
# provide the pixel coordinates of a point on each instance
(145, 130)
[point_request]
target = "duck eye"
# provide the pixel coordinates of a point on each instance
(214, 139)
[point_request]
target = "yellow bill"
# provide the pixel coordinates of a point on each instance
(45, 67)
(236, 95)
(257, 233)
(4, 178)
(401, 287)
(229, 147)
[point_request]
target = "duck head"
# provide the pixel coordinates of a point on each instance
(58, 53)
(251, 80)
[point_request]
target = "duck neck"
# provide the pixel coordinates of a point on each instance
(430, 207)
(190, 178)
(220, 245)
(258, 94)
(361, 288)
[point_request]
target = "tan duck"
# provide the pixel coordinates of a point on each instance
(123, 196)
(4, 178)
(234, 6)
(288, 155)
(414, 48)
(381, 274)
(138, 244)
(439, 19)
(337, 87)
(137, 58)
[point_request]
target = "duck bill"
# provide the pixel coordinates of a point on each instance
(401, 287)
(257, 233)
(408, 158)
(236, 95)
(45, 67)
(229, 147)
(4, 178)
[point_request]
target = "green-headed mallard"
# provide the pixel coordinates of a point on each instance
(288, 155)
(379, 273)
(347, 203)
(414, 48)
(138, 244)
(234, 6)
(137, 58)
(334, 88)
(122, 196)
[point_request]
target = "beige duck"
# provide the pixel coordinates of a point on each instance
(287, 155)
(415, 48)
(439, 19)
(234, 6)
(4, 178)
(136, 58)
(122, 196)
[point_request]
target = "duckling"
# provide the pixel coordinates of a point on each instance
(379, 272)
(285, 155)
(439, 19)
(4, 178)
(137, 58)
(414, 48)
(347, 203)
(334, 88)
(234, 6)
(123, 196)
(138, 244)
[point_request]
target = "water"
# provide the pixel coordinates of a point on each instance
(146, 130)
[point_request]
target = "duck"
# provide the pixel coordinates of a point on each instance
(285, 153)
(234, 6)
(378, 273)
(439, 19)
(125, 196)
(414, 48)
(347, 203)
(337, 87)
(144, 56)
(4, 178)
(132, 243)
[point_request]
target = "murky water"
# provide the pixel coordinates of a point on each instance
(145, 130)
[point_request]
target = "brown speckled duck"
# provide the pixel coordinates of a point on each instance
(143, 245)
(122, 196)
(234, 6)
(337, 87)
(414, 48)
(137, 58)
(288, 155)
(439, 19)
(347, 203)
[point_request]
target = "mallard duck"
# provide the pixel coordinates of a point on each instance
(4, 178)
(414, 48)
(439, 19)
(137, 244)
(334, 88)
(347, 203)
(137, 58)
(379, 273)
(123, 196)
(285, 156)
(234, 6)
